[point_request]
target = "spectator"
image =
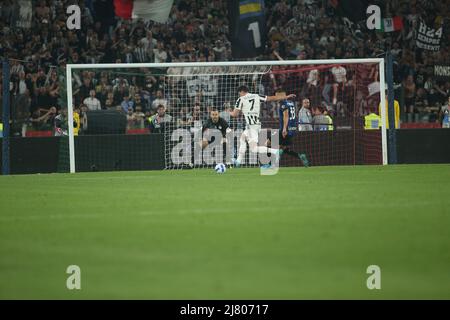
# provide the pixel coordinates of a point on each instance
(140, 53)
(409, 88)
(130, 118)
(109, 103)
(445, 114)
(193, 119)
(313, 86)
(305, 117)
(24, 84)
(396, 112)
(339, 76)
(83, 117)
(321, 120)
(86, 87)
(42, 11)
(138, 102)
(220, 51)
(61, 124)
(160, 100)
(119, 93)
(43, 119)
(426, 114)
(139, 117)
(159, 120)
(128, 54)
(92, 103)
(440, 93)
(149, 43)
(42, 99)
(76, 121)
(159, 53)
(126, 104)
(7, 11)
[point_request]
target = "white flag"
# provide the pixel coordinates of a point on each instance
(373, 88)
(25, 14)
(156, 10)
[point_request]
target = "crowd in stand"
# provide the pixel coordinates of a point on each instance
(197, 30)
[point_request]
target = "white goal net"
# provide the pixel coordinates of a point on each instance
(124, 108)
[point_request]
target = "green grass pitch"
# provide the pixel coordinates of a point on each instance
(193, 234)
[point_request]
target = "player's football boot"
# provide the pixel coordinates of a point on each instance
(277, 161)
(278, 155)
(304, 159)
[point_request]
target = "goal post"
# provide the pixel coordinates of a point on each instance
(70, 118)
(383, 112)
(233, 72)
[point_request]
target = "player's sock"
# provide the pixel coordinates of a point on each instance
(291, 153)
(276, 152)
(300, 155)
(241, 155)
(262, 149)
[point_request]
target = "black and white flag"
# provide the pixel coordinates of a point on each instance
(428, 38)
(24, 14)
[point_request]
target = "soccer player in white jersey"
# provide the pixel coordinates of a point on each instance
(250, 104)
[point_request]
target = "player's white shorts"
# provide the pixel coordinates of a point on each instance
(252, 133)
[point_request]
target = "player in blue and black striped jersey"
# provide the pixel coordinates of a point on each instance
(288, 128)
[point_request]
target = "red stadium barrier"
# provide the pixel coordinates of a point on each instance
(48, 133)
(138, 131)
(420, 125)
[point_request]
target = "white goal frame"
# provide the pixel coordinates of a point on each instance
(70, 67)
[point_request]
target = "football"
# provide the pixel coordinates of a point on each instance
(220, 168)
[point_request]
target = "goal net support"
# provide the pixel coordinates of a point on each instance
(174, 101)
